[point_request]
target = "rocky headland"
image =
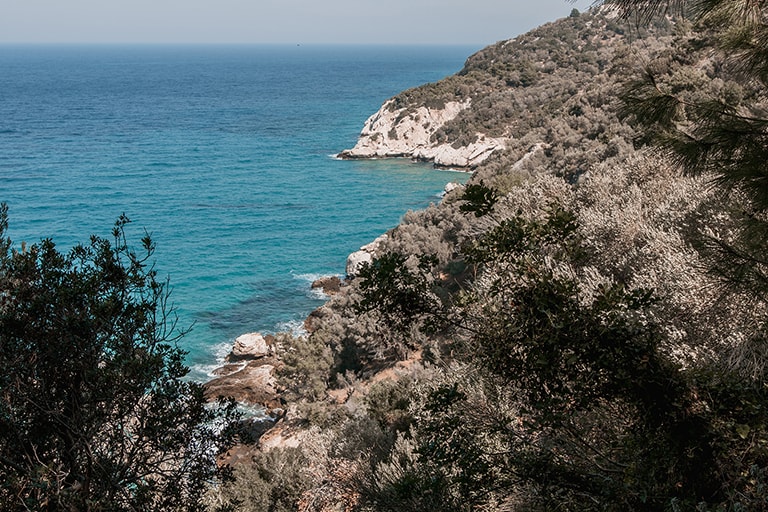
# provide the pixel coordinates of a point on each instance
(409, 133)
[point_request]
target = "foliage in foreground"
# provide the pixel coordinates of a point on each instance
(581, 406)
(594, 343)
(94, 411)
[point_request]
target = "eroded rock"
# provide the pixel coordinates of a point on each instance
(408, 133)
(249, 346)
(253, 384)
(330, 285)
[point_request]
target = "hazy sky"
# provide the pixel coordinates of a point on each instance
(275, 21)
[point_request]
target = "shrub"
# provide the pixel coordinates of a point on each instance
(95, 412)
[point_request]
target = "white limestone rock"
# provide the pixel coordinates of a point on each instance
(450, 187)
(249, 346)
(366, 254)
(445, 155)
(400, 134)
(355, 262)
(375, 247)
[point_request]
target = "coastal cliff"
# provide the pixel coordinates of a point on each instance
(544, 89)
(403, 132)
(538, 104)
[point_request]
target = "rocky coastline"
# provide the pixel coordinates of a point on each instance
(248, 372)
(408, 133)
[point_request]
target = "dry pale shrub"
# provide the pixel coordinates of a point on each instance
(642, 220)
(434, 231)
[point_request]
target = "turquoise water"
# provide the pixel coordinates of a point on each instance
(224, 155)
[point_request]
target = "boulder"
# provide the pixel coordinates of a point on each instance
(366, 254)
(253, 384)
(450, 187)
(330, 285)
(248, 346)
(355, 262)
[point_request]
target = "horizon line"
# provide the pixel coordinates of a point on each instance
(219, 43)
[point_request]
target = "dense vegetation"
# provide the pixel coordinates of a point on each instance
(582, 327)
(94, 411)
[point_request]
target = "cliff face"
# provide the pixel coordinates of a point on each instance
(408, 132)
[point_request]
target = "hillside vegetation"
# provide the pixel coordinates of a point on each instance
(582, 326)
(552, 90)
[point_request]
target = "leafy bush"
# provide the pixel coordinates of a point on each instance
(95, 412)
(274, 482)
(306, 366)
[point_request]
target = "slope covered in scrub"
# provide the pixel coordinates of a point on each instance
(580, 327)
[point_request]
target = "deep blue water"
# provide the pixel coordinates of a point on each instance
(223, 154)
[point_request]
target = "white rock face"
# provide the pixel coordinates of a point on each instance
(446, 155)
(355, 262)
(249, 346)
(396, 134)
(357, 259)
(375, 246)
(450, 187)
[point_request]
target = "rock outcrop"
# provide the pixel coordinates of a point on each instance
(249, 346)
(355, 262)
(248, 375)
(366, 254)
(285, 434)
(330, 285)
(450, 187)
(408, 133)
(252, 384)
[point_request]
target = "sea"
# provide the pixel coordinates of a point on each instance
(225, 155)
